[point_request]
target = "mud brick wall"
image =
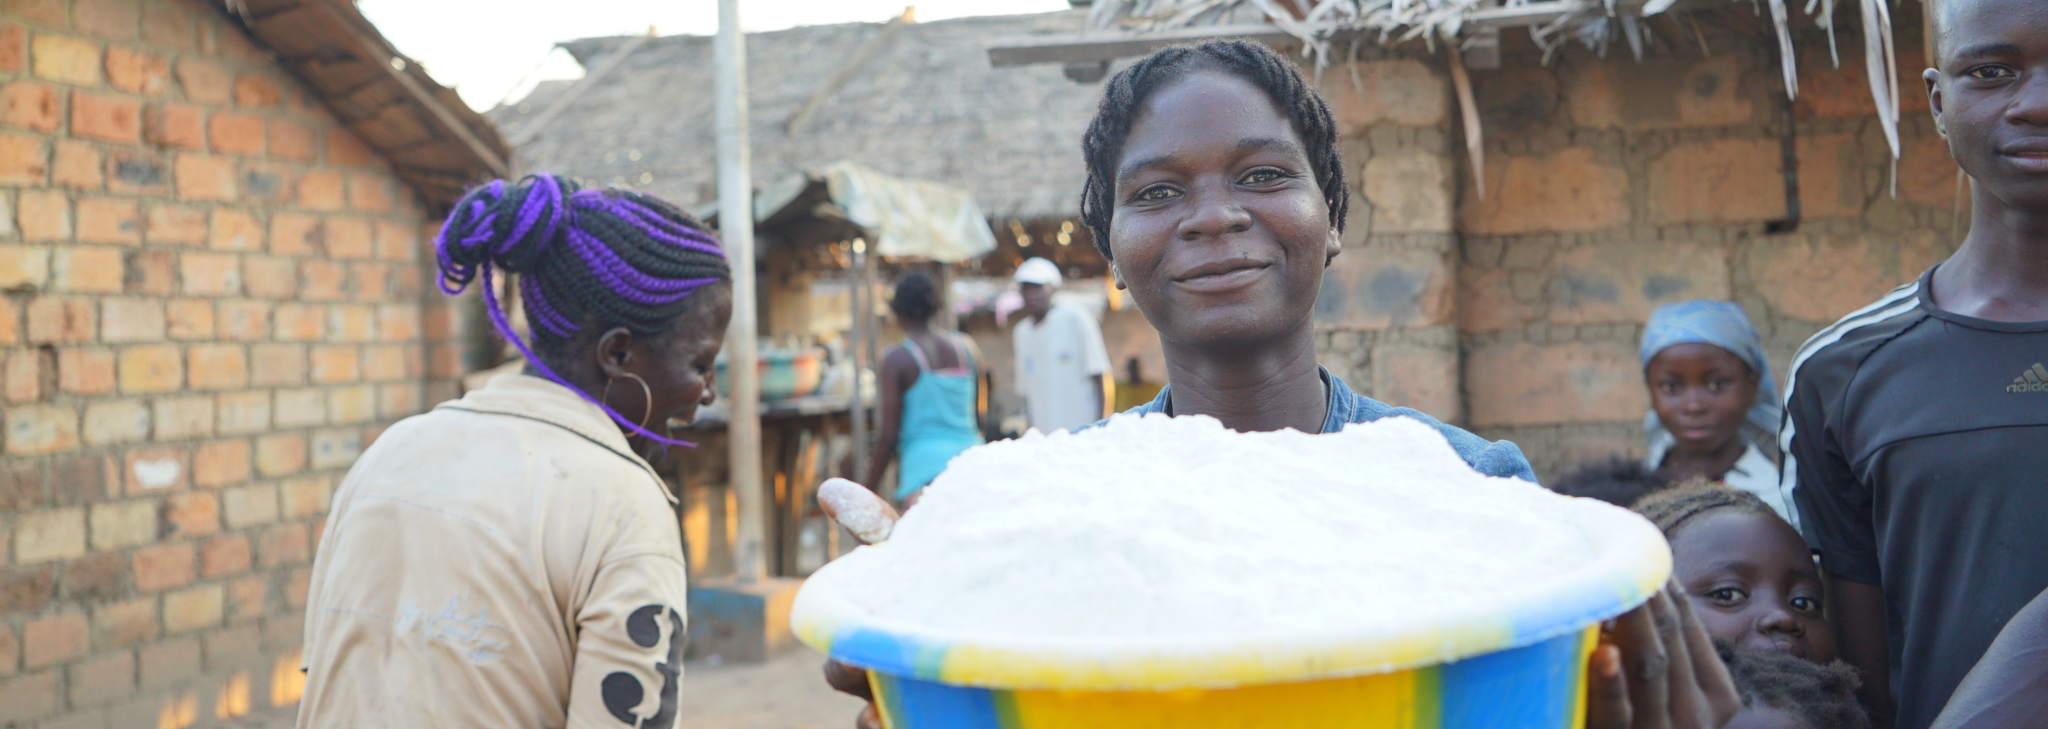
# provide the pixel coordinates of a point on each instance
(214, 299)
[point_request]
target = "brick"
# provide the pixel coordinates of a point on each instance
(1624, 283)
(398, 322)
(277, 364)
(240, 134)
(1538, 384)
(244, 412)
(351, 405)
(204, 81)
(233, 648)
(136, 173)
(33, 105)
(285, 633)
(270, 277)
(150, 272)
(242, 319)
(301, 407)
(322, 281)
(147, 470)
(300, 584)
(13, 48)
(1927, 173)
(125, 623)
(351, 323)
(10, 321)
(192, 609)
(66, 59)
(165, 566)
(211, 274)
(384, 363)
(136, 72)
(167, 24)
(396, 242)
(116, 19)
(1786, 277)
(248, 598)
(116, 421)
(82, 479)
(297, 234)
(25, 267)
(218, 367)
(336, 448)
(182, 417)
(45, 215)
(29, 697)
(236, 230)
(372, 281)
(1662, 93)
(221, 463)
(281, 454)
(169, 663)
(1402, 92)
(1408, 192)
(369, 192)
(175, 125)
(34, 429)
(88, 269)
(345, 149)
(256, 91)
(300, 323)
(55, 638)
(123, 524)
(22, 590)
(10, 651)
(349, 238)
(112, 118)
(1719, 181)
(175, 225)
(267, 183)
(322, 190)
(447, 361)
(190, 319)
(96, 578)
(194, 513)
(150, 368)
(77, 166)
(293, 141)
(102, 680)
(1393, 287)
(335, 364)
(284, 544)
(23, 160)
(62, 319)
(249, 506)
(205, 177)
(224, 556)
(24, 375)
(85, 371)
(304, 497)
(1570, 191)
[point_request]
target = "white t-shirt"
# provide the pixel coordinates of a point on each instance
(1060, 362)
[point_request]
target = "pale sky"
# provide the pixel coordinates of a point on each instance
(491, 49)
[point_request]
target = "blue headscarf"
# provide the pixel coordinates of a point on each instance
(1723, 324)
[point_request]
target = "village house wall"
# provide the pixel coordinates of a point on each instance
(215, 299)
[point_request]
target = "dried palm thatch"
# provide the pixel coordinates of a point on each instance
(1598, 24)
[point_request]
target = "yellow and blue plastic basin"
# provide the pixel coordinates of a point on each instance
(1465, 667)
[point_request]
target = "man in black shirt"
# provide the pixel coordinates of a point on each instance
(1916, 435)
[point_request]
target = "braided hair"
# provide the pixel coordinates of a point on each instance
(917, 297)
(586, 260)
(1126, 93)
(1674, 506)
(1822, 696)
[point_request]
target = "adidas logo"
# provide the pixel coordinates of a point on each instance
(2035, 379)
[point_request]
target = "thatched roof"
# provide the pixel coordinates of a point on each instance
(431, 139)
(925, 104)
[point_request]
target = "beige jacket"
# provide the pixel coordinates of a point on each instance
(503, 561)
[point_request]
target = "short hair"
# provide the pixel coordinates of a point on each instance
(587, 261)
(1672, 507)
(1102, 145)
(917, 297)
(1823, 696)
(1618, 481)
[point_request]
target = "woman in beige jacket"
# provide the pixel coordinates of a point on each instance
(510, 559)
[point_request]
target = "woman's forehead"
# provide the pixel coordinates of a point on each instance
(1205, 112)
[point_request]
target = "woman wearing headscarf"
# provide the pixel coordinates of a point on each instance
(1712, 399)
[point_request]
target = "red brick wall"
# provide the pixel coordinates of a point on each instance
(214, 300)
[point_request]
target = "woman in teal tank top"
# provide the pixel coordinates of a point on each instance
(929, 394)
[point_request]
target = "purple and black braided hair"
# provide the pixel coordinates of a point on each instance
(592, 259)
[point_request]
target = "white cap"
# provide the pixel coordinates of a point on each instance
(1038, 271)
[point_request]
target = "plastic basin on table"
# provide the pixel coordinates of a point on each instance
(1462, 668)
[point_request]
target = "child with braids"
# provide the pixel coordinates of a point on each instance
(1216, 191)
(1747, 572)
(510, 559)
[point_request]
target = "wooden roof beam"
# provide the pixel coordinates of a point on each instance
(376, 51)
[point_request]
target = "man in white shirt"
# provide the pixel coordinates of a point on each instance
(1062, 367)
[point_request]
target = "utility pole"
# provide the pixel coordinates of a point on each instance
(736, 230)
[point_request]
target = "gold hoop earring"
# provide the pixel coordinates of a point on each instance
(646, 393)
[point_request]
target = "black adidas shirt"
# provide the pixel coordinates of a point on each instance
(1917, 441)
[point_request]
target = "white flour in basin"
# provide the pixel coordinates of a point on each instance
(1161, 526)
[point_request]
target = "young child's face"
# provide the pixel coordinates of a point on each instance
(1701, 393)
(1991, 96)
(1220, 228)
(1752, 583)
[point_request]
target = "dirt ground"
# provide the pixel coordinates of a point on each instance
(785, 693)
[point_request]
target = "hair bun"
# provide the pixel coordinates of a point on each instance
(504, 224)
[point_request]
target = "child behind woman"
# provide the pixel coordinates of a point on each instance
(1780, 691)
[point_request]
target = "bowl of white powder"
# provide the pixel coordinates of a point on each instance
(1162, 571)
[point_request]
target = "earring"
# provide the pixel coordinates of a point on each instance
(1117, 277)
(647, 395)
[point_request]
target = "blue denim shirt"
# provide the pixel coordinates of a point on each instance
(1493, 458)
